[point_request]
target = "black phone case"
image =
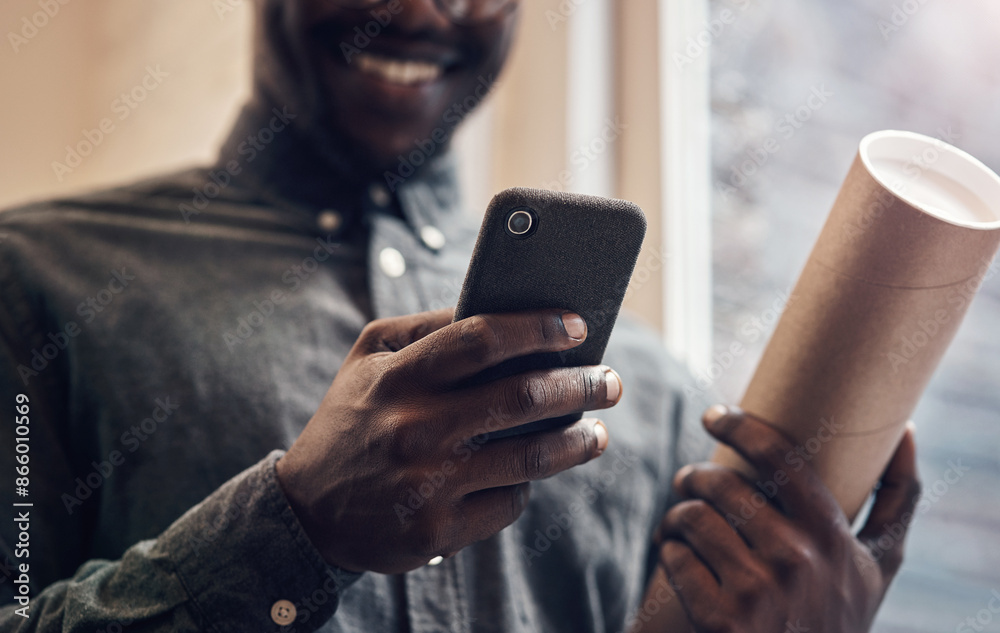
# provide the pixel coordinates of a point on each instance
(579, 256)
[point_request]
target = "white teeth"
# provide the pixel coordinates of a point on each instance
(398, 71)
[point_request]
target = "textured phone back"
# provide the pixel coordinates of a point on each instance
(580, 257)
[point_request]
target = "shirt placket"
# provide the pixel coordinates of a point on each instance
(435, 601)
(392, 265)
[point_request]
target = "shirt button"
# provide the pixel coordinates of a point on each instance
(329, 221)
(432, 237)
(283, 612)
(437, 560)
(392, 262)
(379, 195)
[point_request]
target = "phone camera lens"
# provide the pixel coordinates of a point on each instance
(520, 223)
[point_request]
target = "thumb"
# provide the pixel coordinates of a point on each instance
(885, 530)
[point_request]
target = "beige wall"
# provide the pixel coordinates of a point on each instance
(67, 77)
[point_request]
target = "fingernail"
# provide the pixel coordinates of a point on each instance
(714, 413)
(601, 432)
(679, 477)
(614, 383)
(574, 325)
(910, 424)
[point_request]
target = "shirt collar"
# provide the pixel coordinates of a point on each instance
(266, 154)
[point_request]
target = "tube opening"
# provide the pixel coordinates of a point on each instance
(935, 177)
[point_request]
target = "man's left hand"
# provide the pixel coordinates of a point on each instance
(793, 564)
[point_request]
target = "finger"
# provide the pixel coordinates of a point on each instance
(695, 586)
(395, 333)
(709, 536)
(804, 496)
(891, 515)
(534, 456)
(486, 512)
(530, 396)
(746, 508)
(471, 345)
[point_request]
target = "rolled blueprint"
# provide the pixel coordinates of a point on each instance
(910, 238)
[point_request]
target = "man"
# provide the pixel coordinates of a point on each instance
(166, 341)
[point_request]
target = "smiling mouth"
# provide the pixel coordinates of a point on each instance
(403, 72)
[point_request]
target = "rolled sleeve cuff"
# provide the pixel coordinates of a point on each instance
(246, 561)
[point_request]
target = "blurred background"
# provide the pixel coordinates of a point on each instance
(647, 77)
(928, 67)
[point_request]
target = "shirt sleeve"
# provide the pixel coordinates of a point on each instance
(238, 561)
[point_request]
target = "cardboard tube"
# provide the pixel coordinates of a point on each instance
(911, 237)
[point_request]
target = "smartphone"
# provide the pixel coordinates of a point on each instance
(542, 249)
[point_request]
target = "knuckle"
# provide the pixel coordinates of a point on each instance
(716, 484)
(793, 559)
(381, 382)
(373, 329)
(527, 396)
(405, 440)
(586, 444)
(536, 460)
(690, 515)
(766, 451)
(373, 335)
(590, 382)
(541, 330)
(751, 589)
(480, 340)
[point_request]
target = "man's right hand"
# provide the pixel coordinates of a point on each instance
(392, 470)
